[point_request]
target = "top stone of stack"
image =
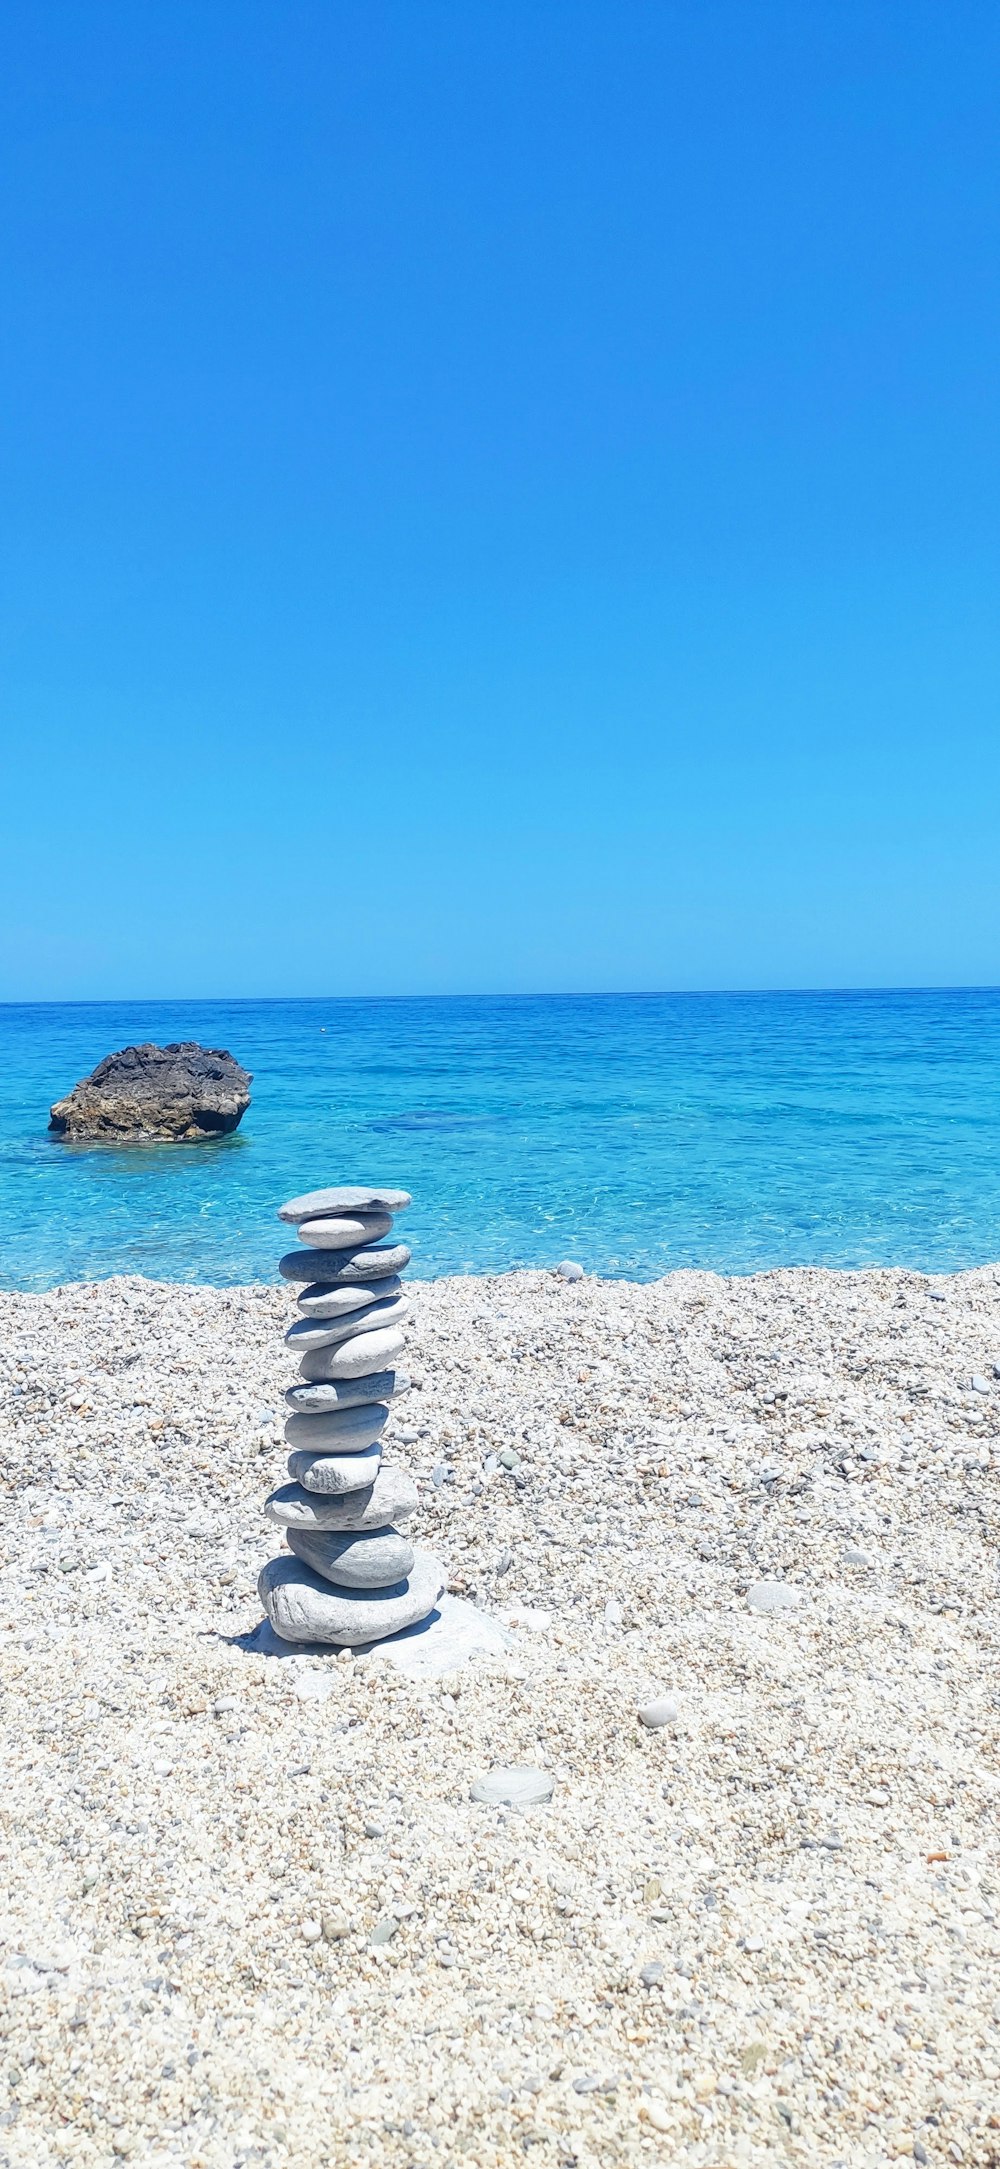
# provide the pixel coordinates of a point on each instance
(349, 1199)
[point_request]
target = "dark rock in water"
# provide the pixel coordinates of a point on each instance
(172, 1093)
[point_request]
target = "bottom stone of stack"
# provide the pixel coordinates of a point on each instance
(302, 1607)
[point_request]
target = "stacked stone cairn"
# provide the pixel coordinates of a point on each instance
(353, 1577)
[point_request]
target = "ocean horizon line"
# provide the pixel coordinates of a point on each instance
(541, 994)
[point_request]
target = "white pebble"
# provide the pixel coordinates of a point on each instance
(663, 1711)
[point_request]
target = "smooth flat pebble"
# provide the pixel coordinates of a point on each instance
(352, 1265)
(309, 1333)
(347, 1232)
(348, 1198)
(454, 1634)
(338, 1430)
(330, 1393)
(513, 1785)
(773, 1597)
(392, 1497)
(355, 1559)
(356, 1358)
(302, 1607)
(322, 1301)
(333, 1474)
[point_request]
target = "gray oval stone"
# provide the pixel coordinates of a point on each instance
(773, 1596)
(338, 1430)
(513, 1785)
(569, 1270)
(322, 1301)
(333, 1474)
(302, 1607)
(349, 1198)
(355, 1559)
(330, 1393)
(346, 1231)
(351, 1265)
(309, 1333)
(355, 1358)
(392, 1497)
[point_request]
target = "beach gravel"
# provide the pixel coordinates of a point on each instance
(252, 1914)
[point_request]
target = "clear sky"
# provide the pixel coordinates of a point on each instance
(498, 496)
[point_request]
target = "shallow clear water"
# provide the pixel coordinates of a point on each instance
(636, 1133)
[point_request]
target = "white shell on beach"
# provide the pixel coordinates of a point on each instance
(309, 1333)
(354, 1558)
(349, 1198)
(302, 1607)
(513, 1785)
(350, 1265)
(322, 1301)
(346, 1233)
(355, 1358)
(392, 1497)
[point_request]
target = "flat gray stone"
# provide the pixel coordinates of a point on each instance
(513, 1785)
(392, 1497)
(338, 1430)
(569, 1270)
(654, 1715)
(349, 1198)
(773, 1597)
(302, 1607)
(355, 1358)
(334, 1474)
(453, 1634)
(351, 1265)
(355, 1559)
(329, 1393)
(309, 1333)
(322, 1301)
(346, 1231)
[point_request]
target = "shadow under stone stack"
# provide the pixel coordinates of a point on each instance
(354, 1577)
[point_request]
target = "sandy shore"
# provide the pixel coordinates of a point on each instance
(809, 1853)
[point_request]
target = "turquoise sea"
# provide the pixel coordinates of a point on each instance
(635, 1133)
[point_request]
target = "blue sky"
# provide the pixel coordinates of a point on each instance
(498, 497)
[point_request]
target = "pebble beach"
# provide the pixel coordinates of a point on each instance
(740, 1538)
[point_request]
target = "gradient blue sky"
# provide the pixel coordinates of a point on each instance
(498, 497)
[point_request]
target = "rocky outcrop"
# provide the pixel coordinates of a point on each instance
(171, 1093)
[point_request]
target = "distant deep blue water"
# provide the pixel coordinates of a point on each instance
(636, 1133)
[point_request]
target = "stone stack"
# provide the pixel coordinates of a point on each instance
(354, 1577)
